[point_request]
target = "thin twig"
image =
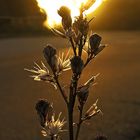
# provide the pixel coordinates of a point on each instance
(60, 88)
(88, 60)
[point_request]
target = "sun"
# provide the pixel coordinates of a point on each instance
(50, 7)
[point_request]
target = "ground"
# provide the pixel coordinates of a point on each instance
(118, 88)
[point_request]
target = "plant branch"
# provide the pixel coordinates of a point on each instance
(88, 60)
(80, 46)
(79, 122)
(70, 112)
(73, 46)
(60, 88)
(70, 115)
(72, 97)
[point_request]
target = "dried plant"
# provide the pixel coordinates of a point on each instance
(77, 32)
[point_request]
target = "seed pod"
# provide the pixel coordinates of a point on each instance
(82, 94)
(77, 65)
(95, 41)
(81, 25)
(51, 57)
(65, 13)
(49, 52)
(44, 110)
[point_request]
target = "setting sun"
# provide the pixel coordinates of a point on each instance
(50, 7)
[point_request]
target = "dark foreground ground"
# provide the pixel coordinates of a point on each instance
(118, 89)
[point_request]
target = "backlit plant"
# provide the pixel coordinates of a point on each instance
(77, 32)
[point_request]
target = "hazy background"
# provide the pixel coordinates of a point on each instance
(22, 39)
(25, 16)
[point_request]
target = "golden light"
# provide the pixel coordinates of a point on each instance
(50, 8)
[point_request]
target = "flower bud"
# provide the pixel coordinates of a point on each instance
(81, 25)
(44, 110)
(77, 65)
(49, 52)
(65, 13)
(95, 41)
(82, 94)
(51, 57)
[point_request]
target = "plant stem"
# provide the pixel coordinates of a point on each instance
(73, 88)
(80, 46)
(72, 97)
(88, 60)
(78, 131)
(79, 123)
(70, 114)
(73, 46)
(52, 138)
(61, 90)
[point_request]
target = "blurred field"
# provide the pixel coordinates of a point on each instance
(118, 89)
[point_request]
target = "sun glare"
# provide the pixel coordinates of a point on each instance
(50, 7)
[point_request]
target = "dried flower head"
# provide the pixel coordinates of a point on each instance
(45, 111)
(53, 127)
(91, 80)
(92, 111)
(51, 57)
(95, 41)
(65, 13)
(95, 44)
(81, 25)
(58, 63)
(83, 91)
(49, 52)
(64, 61)
(82, 94)
(42, 74)
(77, 65)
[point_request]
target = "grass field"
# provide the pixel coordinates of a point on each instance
(118, 88)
